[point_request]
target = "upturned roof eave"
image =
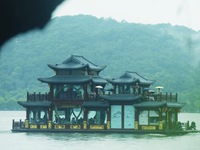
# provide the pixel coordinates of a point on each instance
(175, 104)
(121, 82)
(35, 104)
(150, 82)
(92, 104)
(54, 67)
(98, 80)
(150, 104)
(65, 79)
(121, 97)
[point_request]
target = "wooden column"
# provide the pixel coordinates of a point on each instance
(123, 116)
(27, 113)
(136, 118)
(51, 91)
(85, 91)
(85, 118)
(160, 119)
(108, 118)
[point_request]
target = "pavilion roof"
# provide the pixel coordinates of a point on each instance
(35, 103)
(150, 104)
(98, 80)
(65, 79)
(76, 62)
(96, 104)
(73, 79)
(175, 105)
(131, 77)
(121, 97)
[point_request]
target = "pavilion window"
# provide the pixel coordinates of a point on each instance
(38, 116)
(97, 117)
(123, 89)
(119, 89)
(76, 116)
(61, 116)
(127, 89)
(153, 117)
(136, 90)
(68, 116)
(143, 117)
(172, 117)
(150, 117)
(116, 116)
(68, 91)
(164, 117)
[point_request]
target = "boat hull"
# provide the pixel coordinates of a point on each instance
(107, 131)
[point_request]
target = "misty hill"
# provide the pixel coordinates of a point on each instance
(168, 54)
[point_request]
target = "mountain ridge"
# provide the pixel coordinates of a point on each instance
(162, 52)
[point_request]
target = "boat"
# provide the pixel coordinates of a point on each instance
(80, 100)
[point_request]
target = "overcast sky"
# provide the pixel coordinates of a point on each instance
(175, 12)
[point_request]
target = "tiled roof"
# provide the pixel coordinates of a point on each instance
(73, 79)
(121, 97)
(159, 104)
(131, 77)
(65, 79)
(96, 104)
(99, 80)
(141, 79)
(76, 62)
(175, 105)
(35, 103)
(150, 104)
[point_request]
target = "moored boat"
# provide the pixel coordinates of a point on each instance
(78, 100)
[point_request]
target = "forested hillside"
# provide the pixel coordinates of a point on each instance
(168, 54)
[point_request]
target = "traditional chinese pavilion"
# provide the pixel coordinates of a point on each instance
(77, 101)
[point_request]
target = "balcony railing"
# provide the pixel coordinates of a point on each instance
(18, 124)
(169, 97)
(37, 97)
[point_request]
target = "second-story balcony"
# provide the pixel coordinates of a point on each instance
(37, 96)
(169, 97)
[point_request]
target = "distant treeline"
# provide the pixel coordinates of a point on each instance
(168, 54)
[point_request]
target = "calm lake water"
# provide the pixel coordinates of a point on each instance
(76, 141)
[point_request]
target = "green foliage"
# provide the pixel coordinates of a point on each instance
(168, 54)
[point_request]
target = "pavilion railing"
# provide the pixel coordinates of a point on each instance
(169, 97)
(37, 96)
(18, 124)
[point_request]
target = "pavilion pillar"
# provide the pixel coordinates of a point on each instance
(108, 118)
(136, 118)
(85, 112)
(51, 91)
(160, 119)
